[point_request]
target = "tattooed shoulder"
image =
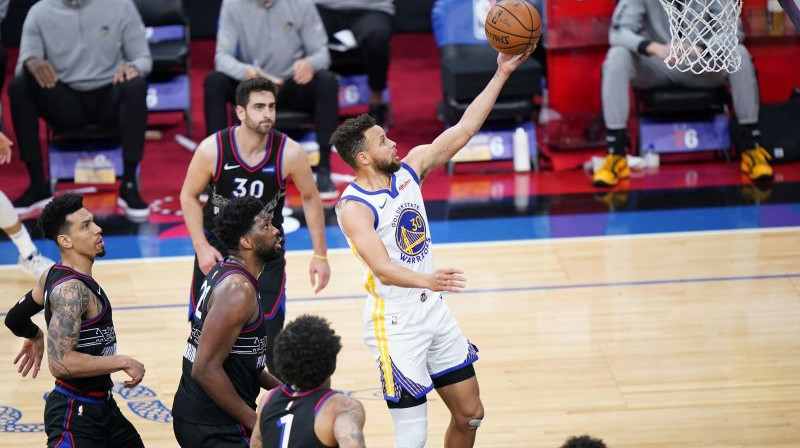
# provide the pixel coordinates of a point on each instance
(353, 407)
(71, 297)
(349, 423)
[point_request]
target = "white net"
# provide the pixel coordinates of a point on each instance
(704, 35)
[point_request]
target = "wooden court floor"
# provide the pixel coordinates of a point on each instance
(676, 340)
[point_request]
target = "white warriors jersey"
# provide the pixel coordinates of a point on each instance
(402, 225)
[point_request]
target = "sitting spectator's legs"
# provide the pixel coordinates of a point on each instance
(123, 106)
(60, 106)
(319, 97)
(373, 32)
(219, 90)
(621, 69)
(744, 90)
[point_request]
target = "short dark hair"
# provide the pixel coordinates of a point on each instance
(305, 352)
(235, 219)
(246, 87)
(53, 220)
(584, 441)
(349, 138)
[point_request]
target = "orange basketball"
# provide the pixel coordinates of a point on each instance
(513, 26)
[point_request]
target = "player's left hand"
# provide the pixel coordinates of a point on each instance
(125, 72)
(507, 63)
(303, 71)
(320, 273)
(31, 355)
(5, 149)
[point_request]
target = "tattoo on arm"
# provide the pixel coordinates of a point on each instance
(349, 424)
(68, 303)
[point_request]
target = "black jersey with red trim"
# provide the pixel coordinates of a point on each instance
(289, 414)
(233, 177)
(245, 362)
(97, 336)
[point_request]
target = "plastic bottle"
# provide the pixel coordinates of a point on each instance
(522, 154)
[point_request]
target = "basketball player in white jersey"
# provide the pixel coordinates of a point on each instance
(413, 336)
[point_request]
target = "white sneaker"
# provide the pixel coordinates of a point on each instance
(36, 264)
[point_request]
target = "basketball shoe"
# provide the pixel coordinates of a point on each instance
(755, 163)
(615, 167)
(35, 264)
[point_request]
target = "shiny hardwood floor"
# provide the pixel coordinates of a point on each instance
(689, 340)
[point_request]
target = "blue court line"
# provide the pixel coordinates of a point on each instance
(514, 289)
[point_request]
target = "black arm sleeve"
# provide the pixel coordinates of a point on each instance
(18, 319)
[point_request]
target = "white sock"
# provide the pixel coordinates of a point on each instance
(23, 242)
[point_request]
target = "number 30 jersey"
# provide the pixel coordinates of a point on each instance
(233, 177)
(402, 224)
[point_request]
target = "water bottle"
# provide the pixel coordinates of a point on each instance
(522, 153)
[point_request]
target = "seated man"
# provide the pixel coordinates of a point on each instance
(285, 42)
(370, 21)
(639, 38)
(80, 63)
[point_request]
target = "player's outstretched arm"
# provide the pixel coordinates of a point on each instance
(425, 158)
(68, 303)
(295, 164)
(198, 176)
(357, 223)
(232, 305)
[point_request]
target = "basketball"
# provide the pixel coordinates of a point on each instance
(513, 26)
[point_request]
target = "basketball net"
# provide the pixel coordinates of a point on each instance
(704, 35)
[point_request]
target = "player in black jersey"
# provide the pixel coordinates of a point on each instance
(81, 341)
(305, 412)
(225, 356)
(252, 159)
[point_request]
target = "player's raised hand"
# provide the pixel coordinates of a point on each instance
(508, 63)
(447, 279)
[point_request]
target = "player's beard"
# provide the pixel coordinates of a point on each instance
(261, 128)
(266, 251)
(390, 167)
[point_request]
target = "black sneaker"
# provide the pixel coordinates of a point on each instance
(31, 199)
(325, 185)
(378, 113)
(130, 200)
